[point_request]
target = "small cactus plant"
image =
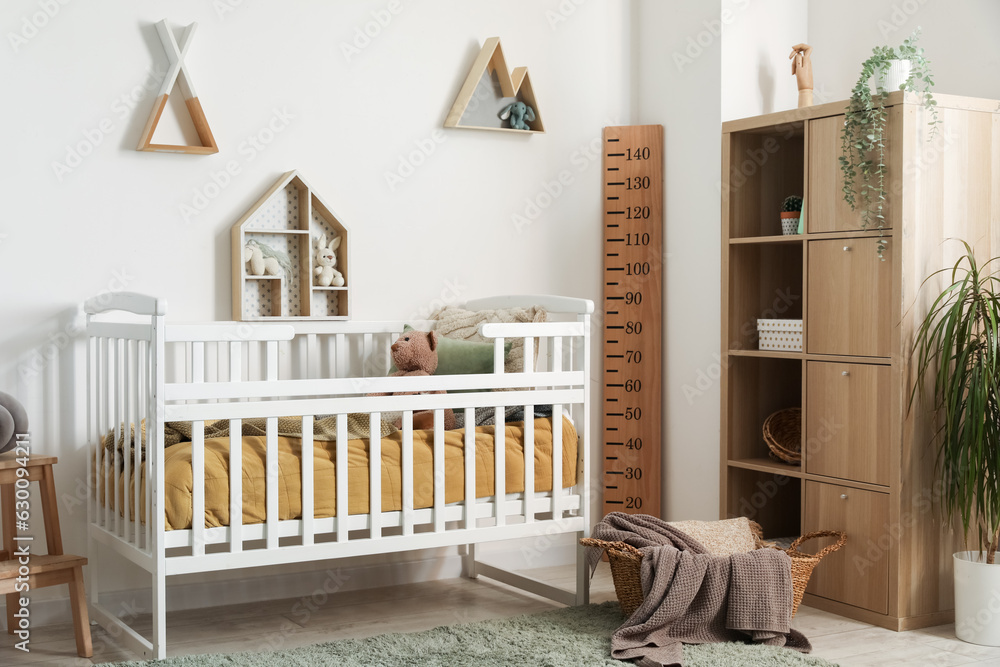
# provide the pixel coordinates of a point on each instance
(792, 203)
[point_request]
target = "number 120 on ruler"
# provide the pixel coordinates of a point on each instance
(633, 269)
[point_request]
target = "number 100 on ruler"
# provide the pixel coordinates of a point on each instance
(633, 279)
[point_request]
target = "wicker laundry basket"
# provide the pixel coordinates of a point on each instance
(626, 560)
(783, 435)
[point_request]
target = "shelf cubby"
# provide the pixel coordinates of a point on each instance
(765, 166)
(765, 281)
(770, 499)
(757, 388)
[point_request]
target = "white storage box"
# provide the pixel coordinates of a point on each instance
(784, 335)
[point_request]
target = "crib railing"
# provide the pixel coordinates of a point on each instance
(235, 371)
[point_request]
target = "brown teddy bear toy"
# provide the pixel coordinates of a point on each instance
(415, 353)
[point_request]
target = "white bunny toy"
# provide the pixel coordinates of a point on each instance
(326, 258)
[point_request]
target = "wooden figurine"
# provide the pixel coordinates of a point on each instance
(803, 70)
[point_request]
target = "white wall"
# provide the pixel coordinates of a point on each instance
(679, 88)
(115, 219)
(757, 37)
(960, 38)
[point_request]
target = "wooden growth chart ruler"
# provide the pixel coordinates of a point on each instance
(633, 270)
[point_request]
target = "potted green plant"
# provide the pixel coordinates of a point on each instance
(957, 355)
(862, 158)
(791, 210)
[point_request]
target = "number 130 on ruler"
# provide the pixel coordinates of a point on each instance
(633, 298)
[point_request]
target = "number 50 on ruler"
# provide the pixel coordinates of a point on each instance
(633, 270)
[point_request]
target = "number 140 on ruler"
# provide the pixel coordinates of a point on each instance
(632, 170)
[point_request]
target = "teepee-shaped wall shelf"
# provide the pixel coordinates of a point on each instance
(288, 218)
(474, 107)
(177, 73)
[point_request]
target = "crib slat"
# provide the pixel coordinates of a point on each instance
(198, 488)
(557, 354)
(498, 355)
(470, 468)
(439, 471)
(341, 355)
(406, 460)
(140, 417)
(341, 465)
(308, 526)
(147, 397)
(235, 485)
(128, 418)
(312, 356)
(271, 492)
(114, 380)
(529, 463)
(499, 465)
(197, 362)
(92, 457)
(101, 425)
(529, 354)
(375, 475)
(271, 360)
(557, 460)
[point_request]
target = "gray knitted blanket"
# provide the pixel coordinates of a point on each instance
(693, 597)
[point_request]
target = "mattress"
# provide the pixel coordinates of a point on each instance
(178, 495)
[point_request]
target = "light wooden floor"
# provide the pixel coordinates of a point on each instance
(296, 622)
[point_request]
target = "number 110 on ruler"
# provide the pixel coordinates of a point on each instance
(633, 278)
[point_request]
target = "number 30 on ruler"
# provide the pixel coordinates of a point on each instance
(633, 268)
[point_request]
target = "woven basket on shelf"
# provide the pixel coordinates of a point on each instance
(783, 435)
(626, 562)
(803, 563)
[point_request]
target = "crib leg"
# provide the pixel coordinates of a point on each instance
(159, 616)
(93, 570)
(470, 561)
(582, 574)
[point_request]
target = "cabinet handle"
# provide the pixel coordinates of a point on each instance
(843, 496)
(846, 373)
(847, 248)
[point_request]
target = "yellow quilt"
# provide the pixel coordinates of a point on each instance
(178, 478)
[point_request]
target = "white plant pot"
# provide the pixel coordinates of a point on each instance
(977, 599)
(889, 79)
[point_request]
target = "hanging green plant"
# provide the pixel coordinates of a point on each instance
(862, 158)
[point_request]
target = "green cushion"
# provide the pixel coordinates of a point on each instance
(462, 357)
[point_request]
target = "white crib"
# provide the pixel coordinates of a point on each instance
(142, 368)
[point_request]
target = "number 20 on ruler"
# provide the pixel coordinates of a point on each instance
(633, 258)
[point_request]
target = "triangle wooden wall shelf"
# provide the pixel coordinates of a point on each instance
(177, 73)
(514, 83)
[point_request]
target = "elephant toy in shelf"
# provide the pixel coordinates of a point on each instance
(519, 114)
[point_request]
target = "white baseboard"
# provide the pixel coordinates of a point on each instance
(342, 575)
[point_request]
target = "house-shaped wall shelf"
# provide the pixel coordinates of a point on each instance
(488, 88)
(288, 218)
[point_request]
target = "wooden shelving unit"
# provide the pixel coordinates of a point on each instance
(289, 217)
(513, 84)
(868, 467)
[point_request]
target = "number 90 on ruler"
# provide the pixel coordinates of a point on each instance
(632, 169)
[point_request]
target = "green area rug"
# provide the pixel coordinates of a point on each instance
(572, 636)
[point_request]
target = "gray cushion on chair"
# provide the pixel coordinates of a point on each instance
(13, 420)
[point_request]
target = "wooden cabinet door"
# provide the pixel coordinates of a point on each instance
(857, 574)
(847, 425)
(826, 210)
(849, 298)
